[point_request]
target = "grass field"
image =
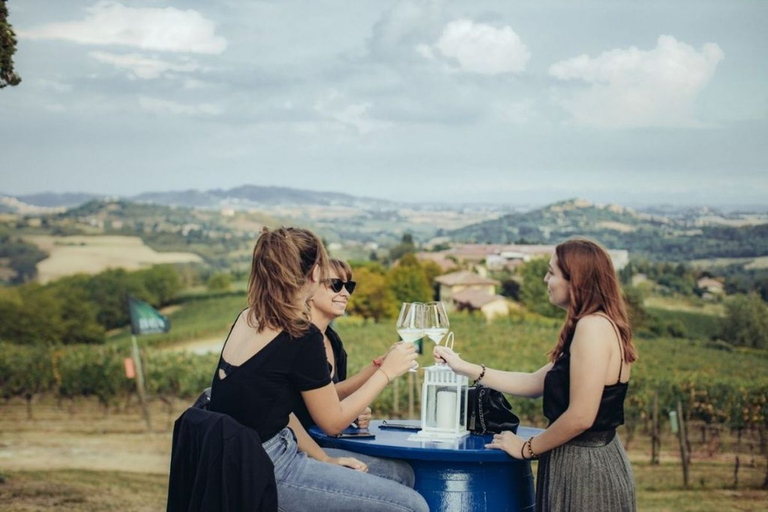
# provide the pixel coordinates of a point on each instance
(76, 457)
(92, 254)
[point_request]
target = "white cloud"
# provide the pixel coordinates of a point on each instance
(355, 115)
(480, 48)
(53, 85)
(520, 112)
(637, 88)
(160, 29)
(402, 26)
(160, 106)
(145, 68)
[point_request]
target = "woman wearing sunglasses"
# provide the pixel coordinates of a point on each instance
(274, 359)
(328, 303)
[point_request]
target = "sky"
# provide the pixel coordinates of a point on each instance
(513, 102)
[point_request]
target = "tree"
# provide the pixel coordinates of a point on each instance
(406, 246)
(30, 315)
(219, 282)
(409, 282)
(432, 270)
(533, 290)
(22, 257)
(510, 288)
(48, 315)
(108, 290)
(746, 322)
(163, 282)
(635, 302)
(78, 317)
(7, 48)
(373, 298)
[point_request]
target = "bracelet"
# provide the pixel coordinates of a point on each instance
(482, 373)
(385, 374)
(522, 455)
(530, 449)
(378, 361)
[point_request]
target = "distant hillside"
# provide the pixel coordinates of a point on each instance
(656, 237)
(246, 196)
(51, 200)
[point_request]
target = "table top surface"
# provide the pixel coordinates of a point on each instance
(395, 443)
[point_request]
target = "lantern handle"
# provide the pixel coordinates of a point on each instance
(449, 338)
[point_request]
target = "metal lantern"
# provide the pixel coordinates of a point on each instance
(443, 404)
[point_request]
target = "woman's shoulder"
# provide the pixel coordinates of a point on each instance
(594, 327)
(595, 321)
(312, 335)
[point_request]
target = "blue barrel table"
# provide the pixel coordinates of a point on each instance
(457, 476)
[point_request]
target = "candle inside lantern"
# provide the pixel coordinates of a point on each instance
(446, 409)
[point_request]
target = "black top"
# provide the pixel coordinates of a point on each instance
(557, 388)
(265, 389)
(339, 364)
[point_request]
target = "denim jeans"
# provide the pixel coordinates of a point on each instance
(307, 484)
(391, 469)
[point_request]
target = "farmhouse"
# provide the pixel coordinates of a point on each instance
(467, 291)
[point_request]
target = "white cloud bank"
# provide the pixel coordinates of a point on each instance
(159, 29)
(479, 48)
(145, 68)
(333, 105)
(161, 106)
(636, 88)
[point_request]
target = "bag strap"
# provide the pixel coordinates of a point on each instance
(480, 392)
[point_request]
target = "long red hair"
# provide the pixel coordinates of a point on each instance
(594, 288)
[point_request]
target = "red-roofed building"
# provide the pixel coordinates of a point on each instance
(465, 290)
(490, 305)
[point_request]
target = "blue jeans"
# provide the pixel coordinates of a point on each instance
(391, 469)
(307, 484)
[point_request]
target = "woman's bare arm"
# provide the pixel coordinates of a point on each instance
(529, 385)
(333, 415)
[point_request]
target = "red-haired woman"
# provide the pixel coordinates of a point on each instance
(582, 464)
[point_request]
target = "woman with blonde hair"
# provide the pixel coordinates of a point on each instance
(582, 464)
(274, 359)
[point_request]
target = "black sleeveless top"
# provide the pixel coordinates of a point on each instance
(557, 388)
(339, 364)
(265, 389)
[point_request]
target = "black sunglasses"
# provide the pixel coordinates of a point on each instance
(337, 284)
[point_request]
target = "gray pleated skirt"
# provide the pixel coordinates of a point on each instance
(589, 473)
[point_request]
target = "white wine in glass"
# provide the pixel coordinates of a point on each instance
(436, 322)
(410, 324)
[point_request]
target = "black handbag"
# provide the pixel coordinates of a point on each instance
(488, 411)
(203, 400)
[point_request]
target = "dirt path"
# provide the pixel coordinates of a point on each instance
(203, 346)
(84, 438)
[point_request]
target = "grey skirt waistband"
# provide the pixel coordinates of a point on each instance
(601, 438)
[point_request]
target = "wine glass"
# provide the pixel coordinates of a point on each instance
(410, 324)
(436, 322)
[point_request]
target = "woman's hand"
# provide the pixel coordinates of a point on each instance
(509, 442)
(348, 462)
(364, 420)
(446, 355)
(399, 359)
(390, 349)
